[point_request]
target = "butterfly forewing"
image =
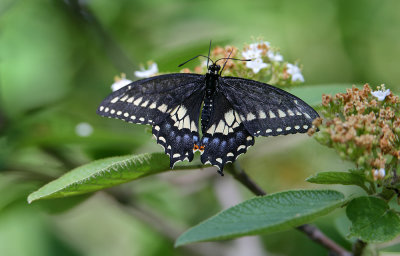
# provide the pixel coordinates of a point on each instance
(266, 110)
(150, 100)
(179, 131)
(225, 138)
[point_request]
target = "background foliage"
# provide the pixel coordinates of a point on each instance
(57, 61)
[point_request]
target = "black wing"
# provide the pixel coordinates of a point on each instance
(266, 110)
(171, 103)
(149, 101)
(225, 138)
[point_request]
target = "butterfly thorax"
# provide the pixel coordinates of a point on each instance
(211, 81)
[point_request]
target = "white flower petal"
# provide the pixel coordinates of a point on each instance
(253, 51)
(83, 129)
(295, 72)
(256, 65)
(375, 174)
(297, 77)
(153, 69)
(119, 84)
(274, 56)
(252, 54)
(381, 95)
(381, 173)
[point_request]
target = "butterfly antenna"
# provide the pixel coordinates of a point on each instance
(228, 58)
(225, 61)
(208, 58)
(209, 50)
(234, 59)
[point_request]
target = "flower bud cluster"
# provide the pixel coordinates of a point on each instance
(363, 126)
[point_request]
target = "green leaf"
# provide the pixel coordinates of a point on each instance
(372, 220)
(313, 94)
(271, 213)
(102, 174)
(344, 178)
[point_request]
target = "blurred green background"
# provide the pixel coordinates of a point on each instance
(57, 62)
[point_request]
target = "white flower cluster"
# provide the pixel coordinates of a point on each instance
(254, 52)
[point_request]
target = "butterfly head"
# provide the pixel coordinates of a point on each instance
(214, 69)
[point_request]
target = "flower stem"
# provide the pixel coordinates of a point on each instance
(239, 174)
(311, 231)
(359, 248)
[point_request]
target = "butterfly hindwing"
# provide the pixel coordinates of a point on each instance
(225, 138)
(149, 101)
(179, 131)
(266, 110)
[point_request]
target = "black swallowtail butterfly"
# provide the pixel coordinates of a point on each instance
(235, 110)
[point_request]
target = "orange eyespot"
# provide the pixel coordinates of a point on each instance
(195, 147)
(201, 148)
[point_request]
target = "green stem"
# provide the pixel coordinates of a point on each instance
(359, 247)
(372, 187)
(239, 174)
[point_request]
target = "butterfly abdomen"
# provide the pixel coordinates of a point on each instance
(206, 113)
(211, 81)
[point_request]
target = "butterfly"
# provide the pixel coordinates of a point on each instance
(215, 115)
